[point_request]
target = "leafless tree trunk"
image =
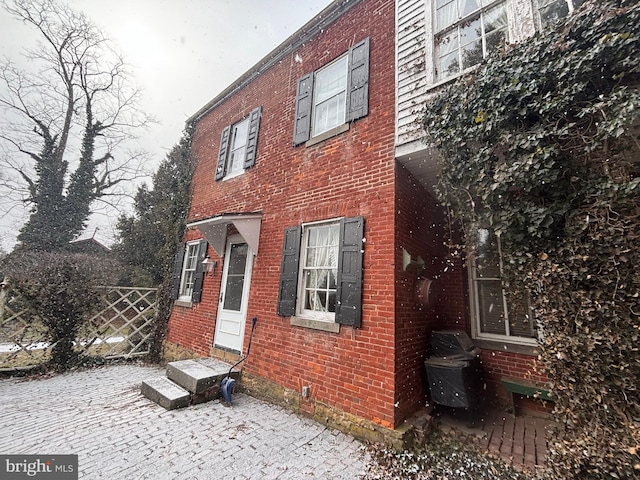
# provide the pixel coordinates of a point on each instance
(67, 124)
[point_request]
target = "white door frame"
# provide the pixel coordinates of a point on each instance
(230, 324)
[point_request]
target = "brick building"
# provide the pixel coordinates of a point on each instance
(313, 211)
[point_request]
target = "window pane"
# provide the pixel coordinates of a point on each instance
(238, 258)
(233, 292)
(329, 114)
(471, 43)
(331, 80)
(495, 19)
(238, 147)
(236, 160)
(448, 62)
(495, 39)
(467, 7)
(187, 285)
(240, 131)
(446, 14)
(235, 277)
(521, 322)
(487, 255)
(188, 270)
(491, 307)
(553, 12)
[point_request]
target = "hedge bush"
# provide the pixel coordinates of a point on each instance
(61, 291)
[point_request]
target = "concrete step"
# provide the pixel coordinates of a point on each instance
(191, 375)
(165, 393)
(198, 380)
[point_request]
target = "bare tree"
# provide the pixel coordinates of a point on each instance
(66, 125)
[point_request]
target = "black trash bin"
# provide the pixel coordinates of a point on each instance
(453, 371)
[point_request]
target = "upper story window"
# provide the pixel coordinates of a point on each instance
(553, 10)
(494, 317)
(333, 95)
(466, 31)
(238, 146)
(330, 97)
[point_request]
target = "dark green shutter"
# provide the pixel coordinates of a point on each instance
(288, 290)
(221, 167)
(358, 98)
(199, 273)
(252, 140)
(304, 101)
(177, 273)
(349, 294)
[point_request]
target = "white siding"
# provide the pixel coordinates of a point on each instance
(415, 74)
(411, 57)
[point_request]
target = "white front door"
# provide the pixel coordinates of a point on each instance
(234, 295)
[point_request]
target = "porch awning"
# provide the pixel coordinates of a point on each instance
(215, 230)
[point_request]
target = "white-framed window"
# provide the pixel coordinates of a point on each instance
(494, 317)
(237, 148)
(189, 267)
(319, 271)
(550, 11)
(330, 96)
(321, 274)
(465, 32)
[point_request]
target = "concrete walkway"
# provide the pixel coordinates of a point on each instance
(100, 415)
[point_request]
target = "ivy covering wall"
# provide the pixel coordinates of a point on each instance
(542, 144)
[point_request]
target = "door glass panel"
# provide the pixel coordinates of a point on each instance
(235, 277)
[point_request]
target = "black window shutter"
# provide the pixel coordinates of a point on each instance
(288, 290)
(252, 140)
(199, 273)
(221, 167)
(304, 99)
(177, 273)
(358, 98)
(349, 294)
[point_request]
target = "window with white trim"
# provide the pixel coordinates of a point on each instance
(238, 146)
(551, 11)
(465, 32)
(494, 317)
(319, 271)
(189, 267)
(332, 96)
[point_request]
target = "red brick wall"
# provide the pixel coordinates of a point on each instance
(419, 230)
(348, 175)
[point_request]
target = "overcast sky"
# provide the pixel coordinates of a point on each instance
(184, 52)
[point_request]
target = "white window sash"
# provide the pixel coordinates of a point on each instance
(330, 96)
(317, 259)
(189, 266)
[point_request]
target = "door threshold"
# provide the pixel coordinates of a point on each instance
(225, 354)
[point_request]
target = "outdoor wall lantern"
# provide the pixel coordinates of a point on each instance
(406, 261)
(208, 265)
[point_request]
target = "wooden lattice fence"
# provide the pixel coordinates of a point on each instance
(123, 328)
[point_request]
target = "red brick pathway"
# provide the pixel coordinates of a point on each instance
(520, 441)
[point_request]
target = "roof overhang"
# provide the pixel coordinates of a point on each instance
(215, 230)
